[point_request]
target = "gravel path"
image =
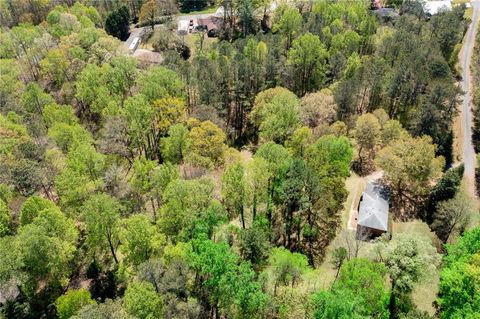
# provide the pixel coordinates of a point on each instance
(469, 156)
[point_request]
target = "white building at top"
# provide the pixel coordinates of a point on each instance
(433, 7)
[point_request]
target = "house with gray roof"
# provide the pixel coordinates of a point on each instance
(373, 212)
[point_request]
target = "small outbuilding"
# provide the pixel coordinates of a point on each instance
(373, 212)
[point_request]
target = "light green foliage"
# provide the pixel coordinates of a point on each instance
(162, 176)
(408, 259)
(101, 213)
(122, 75)
(184, 201)
(56, 224)
(276, 156)
(82, 11)
(11, 262)
(258, 113)
(107, 310)
(6, 193)
(10, 85)
(82, 175)
(12, 134)
(54, 113)
(459, 291)
(142, 301)
(287, 267)
(330, 156)
(154, 165)
(70, 303)
(258, 175)
(141, 176)
(47, 246)
(360, 292)
(234, 190)
(34, 99)
(92, 91)
(391, 131)
(207, 144)
(54, 67)
(301, 138)
(5, 220)
(231, 285)
(61, 23)
(366, 280)
(277, 160)
(367, 132)
(85, 160)
(65, 135)
(139, 239)
(158, 82)
(288, 23)
(346, 42)
(409, 166)
(74, 187)
(452, 216)
(103, 49)
(278, 116)
(175, 146)
(138, 113)
(308, 58)
(337, 304)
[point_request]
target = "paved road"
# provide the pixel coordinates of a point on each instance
(135, 32)
(466, 110)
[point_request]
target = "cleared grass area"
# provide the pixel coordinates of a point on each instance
(355, 185)
(193, 42)
(457, 139)
(204, 11)
(425, 292)
(468, 13)
(475, 217)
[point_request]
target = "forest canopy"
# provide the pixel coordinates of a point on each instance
(217, 183)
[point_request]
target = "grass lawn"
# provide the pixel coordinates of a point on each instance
(204, 11)
(457, 139)
(193, 42)
(425, 292)
(355, 185)
(468, 13)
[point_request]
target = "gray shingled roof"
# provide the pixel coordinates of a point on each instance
(373, 208)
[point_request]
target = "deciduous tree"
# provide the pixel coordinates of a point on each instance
(70, 303)
(452, 217)
(409, 165)
(142, 301)
(234, 190)
(307, 57)
(101, 213)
